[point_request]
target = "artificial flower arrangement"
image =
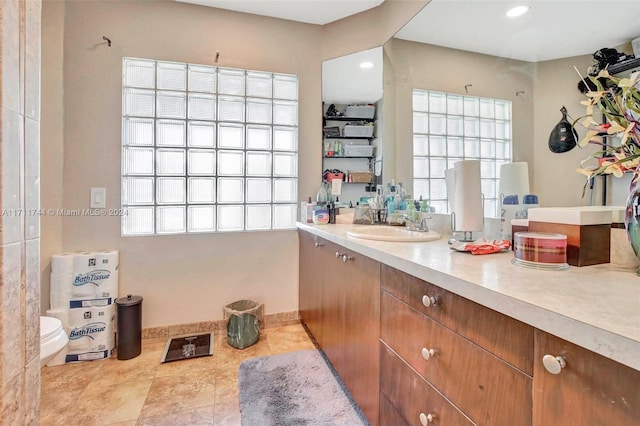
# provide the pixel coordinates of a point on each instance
(618, 100)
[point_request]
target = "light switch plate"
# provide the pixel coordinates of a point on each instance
(98, 198)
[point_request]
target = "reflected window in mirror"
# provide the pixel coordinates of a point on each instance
(448, 128)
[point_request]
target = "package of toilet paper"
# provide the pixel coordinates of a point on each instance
(83, 290)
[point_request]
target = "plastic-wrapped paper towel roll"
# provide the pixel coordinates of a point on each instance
(514, 179)
(82, 316)
(108, 260)
(62, 263)
(84, 262)
(61, 290)
(61, 314)
(108, 263)
(469, 214)
(91, 336)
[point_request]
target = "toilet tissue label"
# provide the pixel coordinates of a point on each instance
(87, 330)
(92, 277)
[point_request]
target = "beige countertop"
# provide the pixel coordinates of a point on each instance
(596, 307)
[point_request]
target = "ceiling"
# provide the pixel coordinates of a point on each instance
(318, 12)
(550, 30)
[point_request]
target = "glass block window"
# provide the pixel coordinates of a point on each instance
(207, 149)
(449, 128)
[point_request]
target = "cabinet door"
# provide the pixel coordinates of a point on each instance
(333, 308)
(312, 251)
(589, 390)
(360, 279)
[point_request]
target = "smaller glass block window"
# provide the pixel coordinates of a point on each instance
(449, 128)
(207, 149)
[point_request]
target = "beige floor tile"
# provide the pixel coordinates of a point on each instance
(118, 403)
(173, 393)
(193, 417)
(144, 391)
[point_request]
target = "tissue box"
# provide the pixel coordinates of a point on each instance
(588, 231)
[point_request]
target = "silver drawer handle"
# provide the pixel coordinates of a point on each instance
(317, 244)
(428, 353)
(346, 258)
(429, 300)
(553, 364)
(425, 418)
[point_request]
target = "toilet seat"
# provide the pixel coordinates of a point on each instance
(52, 338)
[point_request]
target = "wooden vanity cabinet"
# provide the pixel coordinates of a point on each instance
(499, 334)
(463, 362)
(589, 390)
(340, 304)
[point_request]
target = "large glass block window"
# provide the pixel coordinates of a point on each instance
(449, 128)
(207, 149)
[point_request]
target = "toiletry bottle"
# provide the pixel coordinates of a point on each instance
(424, 205)
(529, 201)
(391, 206)
(508, 212)
(332, 212)
(321, 196)
(309, 216)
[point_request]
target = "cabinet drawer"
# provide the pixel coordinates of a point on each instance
(589, 390)
(501, 335)
(484, 387)
(410, 395)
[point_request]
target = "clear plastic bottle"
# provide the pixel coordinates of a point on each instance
(321, 196)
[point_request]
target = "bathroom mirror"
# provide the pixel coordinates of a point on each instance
(471, 48)
(354, 79)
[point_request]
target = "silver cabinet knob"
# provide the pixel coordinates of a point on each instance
(425, 418)
(346, 258)
(553, 364)
(428, 353)
(317, 244)
(429, 300)
(338, 255)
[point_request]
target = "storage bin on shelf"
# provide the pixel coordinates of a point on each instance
(360, 111)
(360, 177)
(358, 150)
(351, 130)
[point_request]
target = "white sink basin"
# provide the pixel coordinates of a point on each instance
(392, 233)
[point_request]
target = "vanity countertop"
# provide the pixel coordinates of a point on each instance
(596, 307)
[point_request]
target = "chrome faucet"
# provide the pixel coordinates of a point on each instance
(413, 225)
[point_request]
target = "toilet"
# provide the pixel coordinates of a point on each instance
(52, 339)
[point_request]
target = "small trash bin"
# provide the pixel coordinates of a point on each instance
(129, 337)
(243, 322)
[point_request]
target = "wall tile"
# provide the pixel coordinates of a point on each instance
(32, 178)
(12, 409)
(12, 335)
(32, 300)
(10, 55)
(32, 59)
(32, 393)
(12, 212)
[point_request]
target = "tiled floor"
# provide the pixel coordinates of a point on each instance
(142, 391)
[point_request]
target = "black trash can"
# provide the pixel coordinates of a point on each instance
(129, 326)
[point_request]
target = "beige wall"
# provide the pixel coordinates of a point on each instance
(182, 278)
(423, 66)
(20, 222)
